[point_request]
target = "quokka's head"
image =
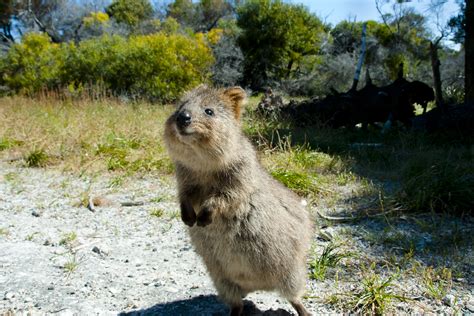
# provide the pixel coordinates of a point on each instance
(205, 128)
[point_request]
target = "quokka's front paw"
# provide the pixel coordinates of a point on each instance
(188, 216)
(204, 218)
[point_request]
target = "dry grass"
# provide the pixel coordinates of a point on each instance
(84, 136)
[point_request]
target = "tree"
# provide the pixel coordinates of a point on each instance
(469, 51)
(130, 12)
(275, 37)
(6, 13)
(201, 16)
(457, 24)
(59, 19)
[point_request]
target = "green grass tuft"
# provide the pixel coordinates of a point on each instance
(158, 212)
(329, 258)
(375, 295)
(36, 158)
(437, 282)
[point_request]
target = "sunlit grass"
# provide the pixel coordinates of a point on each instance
(84, 135)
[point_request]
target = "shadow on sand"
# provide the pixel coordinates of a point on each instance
(206, 305)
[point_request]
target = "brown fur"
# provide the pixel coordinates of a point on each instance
(251, 231)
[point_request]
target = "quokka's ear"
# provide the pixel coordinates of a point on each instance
(236, 96)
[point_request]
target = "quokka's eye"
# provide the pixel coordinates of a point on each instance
(209, 112)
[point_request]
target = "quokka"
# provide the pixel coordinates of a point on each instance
(251, 231)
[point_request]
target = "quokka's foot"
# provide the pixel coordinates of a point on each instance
(204, 218)
(188, 216)
(236, 310)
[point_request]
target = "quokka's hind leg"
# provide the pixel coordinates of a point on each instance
(300, 309)
(292, 289)
(231, 294)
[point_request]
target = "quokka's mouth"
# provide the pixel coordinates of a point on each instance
(184, 131)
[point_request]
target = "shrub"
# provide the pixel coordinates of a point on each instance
(33, 64)
(158, 66)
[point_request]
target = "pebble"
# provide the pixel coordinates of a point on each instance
(170, 289)
(9, 295)
(99, 251)
(36, 213)
(449, 300)
(114, 290)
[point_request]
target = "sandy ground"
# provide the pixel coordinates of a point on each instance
(58, 257)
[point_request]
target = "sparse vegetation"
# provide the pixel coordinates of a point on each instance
(36, 158)
(71, 265)
(68, 239)
(329, 258)
(375, 295)
(437, 282)
(158, 212)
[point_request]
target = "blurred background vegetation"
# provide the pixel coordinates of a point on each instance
(156, 50)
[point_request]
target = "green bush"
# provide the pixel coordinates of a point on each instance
(34, 64)
(158, 66)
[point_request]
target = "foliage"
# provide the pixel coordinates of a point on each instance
(33, 64)
(201, 16)
(275, 38)
(158, 66)
(228, 66)
(457, 23)
(130, 12)
(96, 18)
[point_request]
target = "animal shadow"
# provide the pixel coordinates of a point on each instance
(206, 305)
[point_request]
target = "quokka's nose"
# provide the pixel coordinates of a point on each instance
(183, 119)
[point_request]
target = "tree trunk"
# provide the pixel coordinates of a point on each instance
(361, 59)
(435, 63)
(288, 69)
(469, 53)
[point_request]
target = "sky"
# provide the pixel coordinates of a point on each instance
(334, 11)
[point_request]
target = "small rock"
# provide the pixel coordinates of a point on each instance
(170, 289)
(114, 290)
(99, 251)
(47, 242)
(9, 295)
(449, 300)
(50, 288)
(36, 213)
